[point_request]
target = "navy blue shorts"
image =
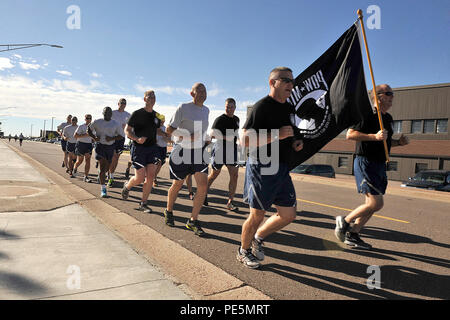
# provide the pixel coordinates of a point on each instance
(141, 156)
(370, 176)
(220, 158)
(119, 146)
(83, 148)
(104, 151)
(183, 162)
(64, 145)
(261, 190)
(70, 147)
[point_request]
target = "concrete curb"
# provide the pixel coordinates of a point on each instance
(199, 278)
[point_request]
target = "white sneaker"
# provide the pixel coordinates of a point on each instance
(257, 249)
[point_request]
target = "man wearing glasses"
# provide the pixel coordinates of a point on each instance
(121, 116)
(369, 168)
(84, 147)
(274, 116)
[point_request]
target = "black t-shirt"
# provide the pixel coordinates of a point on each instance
(224, 122)
(268, 113)
(144, 124)
(374, 150)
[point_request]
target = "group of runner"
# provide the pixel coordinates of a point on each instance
(187, 130)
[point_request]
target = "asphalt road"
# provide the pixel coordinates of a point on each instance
(410, 258)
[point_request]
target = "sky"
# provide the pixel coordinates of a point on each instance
(115, 49)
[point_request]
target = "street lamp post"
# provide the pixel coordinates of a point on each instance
(10, 47)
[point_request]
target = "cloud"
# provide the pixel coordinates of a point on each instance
(44, 99)
(5, 63)
(254, 89)
(95, 75)
(166, 90)
(29, 66)
(64, 72)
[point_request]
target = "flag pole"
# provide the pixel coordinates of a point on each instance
(360, 17)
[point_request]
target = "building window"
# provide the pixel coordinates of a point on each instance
(397, 126)
(428, 126)
(416, 126)
(420, 167)
(343, 162)
(441, 126)
(392, 166)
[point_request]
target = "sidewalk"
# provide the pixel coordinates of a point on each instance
(52, 248)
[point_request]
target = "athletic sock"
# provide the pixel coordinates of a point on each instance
(259, 238)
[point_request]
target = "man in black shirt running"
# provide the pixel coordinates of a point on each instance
(225, 150)
(369, 168)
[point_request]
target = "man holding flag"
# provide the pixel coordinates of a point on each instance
(369, 168)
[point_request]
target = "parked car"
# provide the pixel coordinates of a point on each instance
(430, 179)
(323, 170)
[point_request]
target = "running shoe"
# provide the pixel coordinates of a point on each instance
(353, 240)
(144, 207)
(110, 182)
(125, 192)
(341, 228)
(194, 225)
(248, 259)
(103, 193)
(168, 218)
(257, 249)
(231, 206)
(86, 179)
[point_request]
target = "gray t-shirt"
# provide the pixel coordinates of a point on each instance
(82, 129)
(122, 118)
(190, 118)
(68, 132)
(105, 128)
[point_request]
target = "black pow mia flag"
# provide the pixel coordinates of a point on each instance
(330, 95)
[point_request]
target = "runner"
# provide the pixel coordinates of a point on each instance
(59, 129)
(225, 150)
(161, 141)
(369, 168)
(106, 132)
(84, 147)
(267, 184)
(188, 126)
(20, 138)
(142, 129)
(68, 135)
(121, 116)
